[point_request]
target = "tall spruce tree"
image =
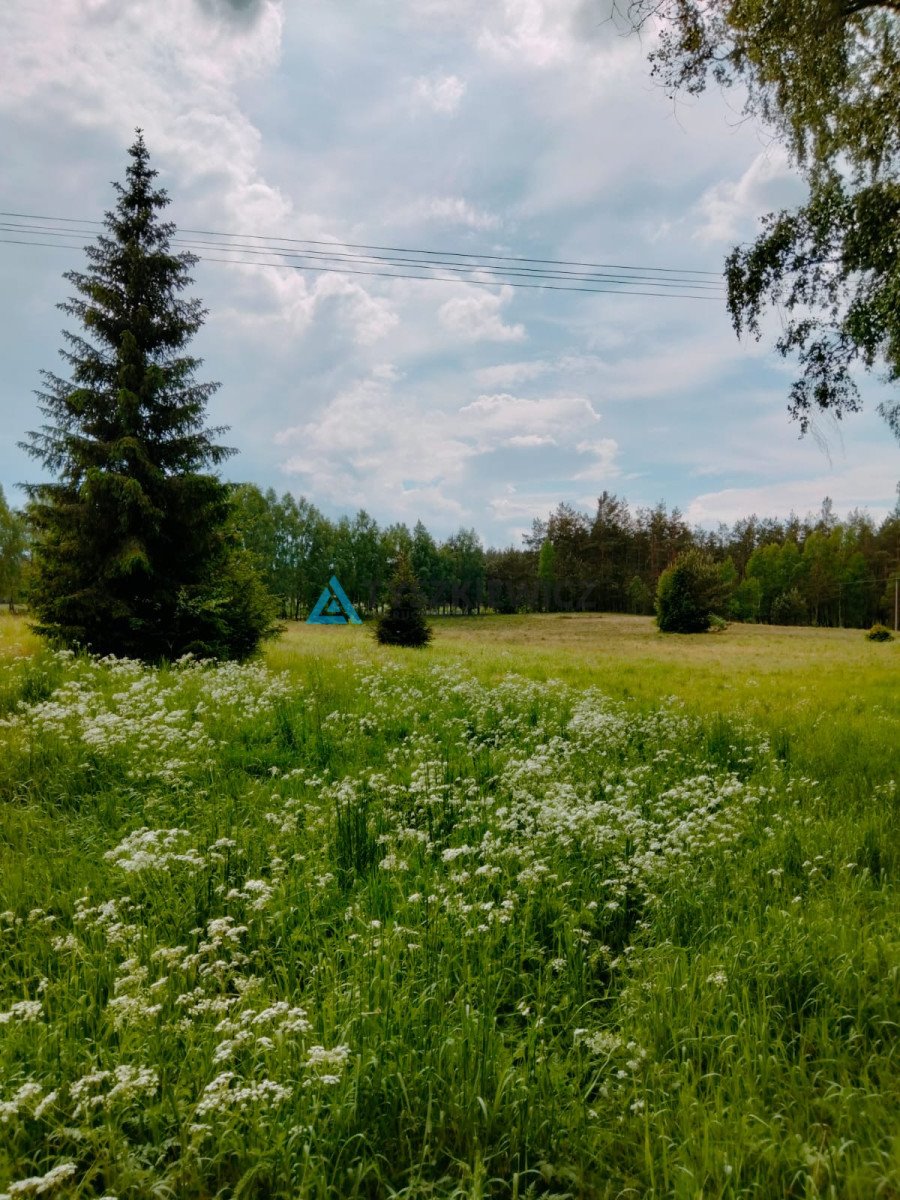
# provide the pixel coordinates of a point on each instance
(134, 552)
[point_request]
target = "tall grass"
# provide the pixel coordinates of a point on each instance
(363, 924)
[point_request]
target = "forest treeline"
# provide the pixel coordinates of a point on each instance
(818, 570)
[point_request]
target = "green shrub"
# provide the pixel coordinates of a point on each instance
(880, 633)
(687, 594)
(229, 616)
(789, 608)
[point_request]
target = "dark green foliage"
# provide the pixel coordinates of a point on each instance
(547, 574)
(843, 571)
(227, 616)
(687, 594)
(880, 633)
(134, 550)
(789, 609)
(12, 553)
(404, 623)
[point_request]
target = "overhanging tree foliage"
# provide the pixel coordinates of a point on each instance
(134, 553)
(825, 76)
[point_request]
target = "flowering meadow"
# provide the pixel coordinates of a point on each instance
(379, 927)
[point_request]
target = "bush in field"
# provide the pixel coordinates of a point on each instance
(687, 594)
(880, 633)
(404, 623)
(134, 552)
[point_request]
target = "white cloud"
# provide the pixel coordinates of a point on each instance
(534, 33)
(164, 65)
(504, 375)
(852, 487)
(476, 317)
(176, 69)
(527, 440)
(504, 417)
(512, 505)
(442, 93)
(378, 444)
(372, 446)
(453, 210)
(603, 452)
(729, 209)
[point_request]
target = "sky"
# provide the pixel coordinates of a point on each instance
(494, 127)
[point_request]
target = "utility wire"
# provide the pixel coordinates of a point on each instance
(501, 274)
(340, 270)
(396, 262)
(398, 249)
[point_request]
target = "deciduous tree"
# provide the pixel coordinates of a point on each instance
(824, 75)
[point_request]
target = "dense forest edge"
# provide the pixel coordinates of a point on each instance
(818, 570)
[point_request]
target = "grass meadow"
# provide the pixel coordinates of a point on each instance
(558, 907)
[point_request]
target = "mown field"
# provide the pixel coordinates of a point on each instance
(558, 907)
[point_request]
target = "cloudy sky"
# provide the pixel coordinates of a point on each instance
(494, 127)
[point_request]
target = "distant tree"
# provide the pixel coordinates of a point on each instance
(821, 576)
(395, 539)
(425, 560)
(688, 594)
(610, 534)
(745, 600)
(463, 556)
(824, 76)
(254, 514)
(789, 608)
(887, 600)
(729, 580)
(12, 553)
(134, 550)
(858, 590)
(546, 571)
(640, 598)
(569, 532)
(774, 570)
(404, 622)
(511, 585)
(370, 555)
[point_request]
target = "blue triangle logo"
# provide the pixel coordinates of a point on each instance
(333, 607)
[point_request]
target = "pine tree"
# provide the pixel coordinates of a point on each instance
(134, 552)
(404, 623)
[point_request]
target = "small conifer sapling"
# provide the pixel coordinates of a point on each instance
(404, 622)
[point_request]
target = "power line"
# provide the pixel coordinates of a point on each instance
(396, 249)
(500, 274)
(342, 270)
(340, 255)
(396, 262)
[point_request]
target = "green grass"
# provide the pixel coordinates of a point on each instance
(557, 907)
